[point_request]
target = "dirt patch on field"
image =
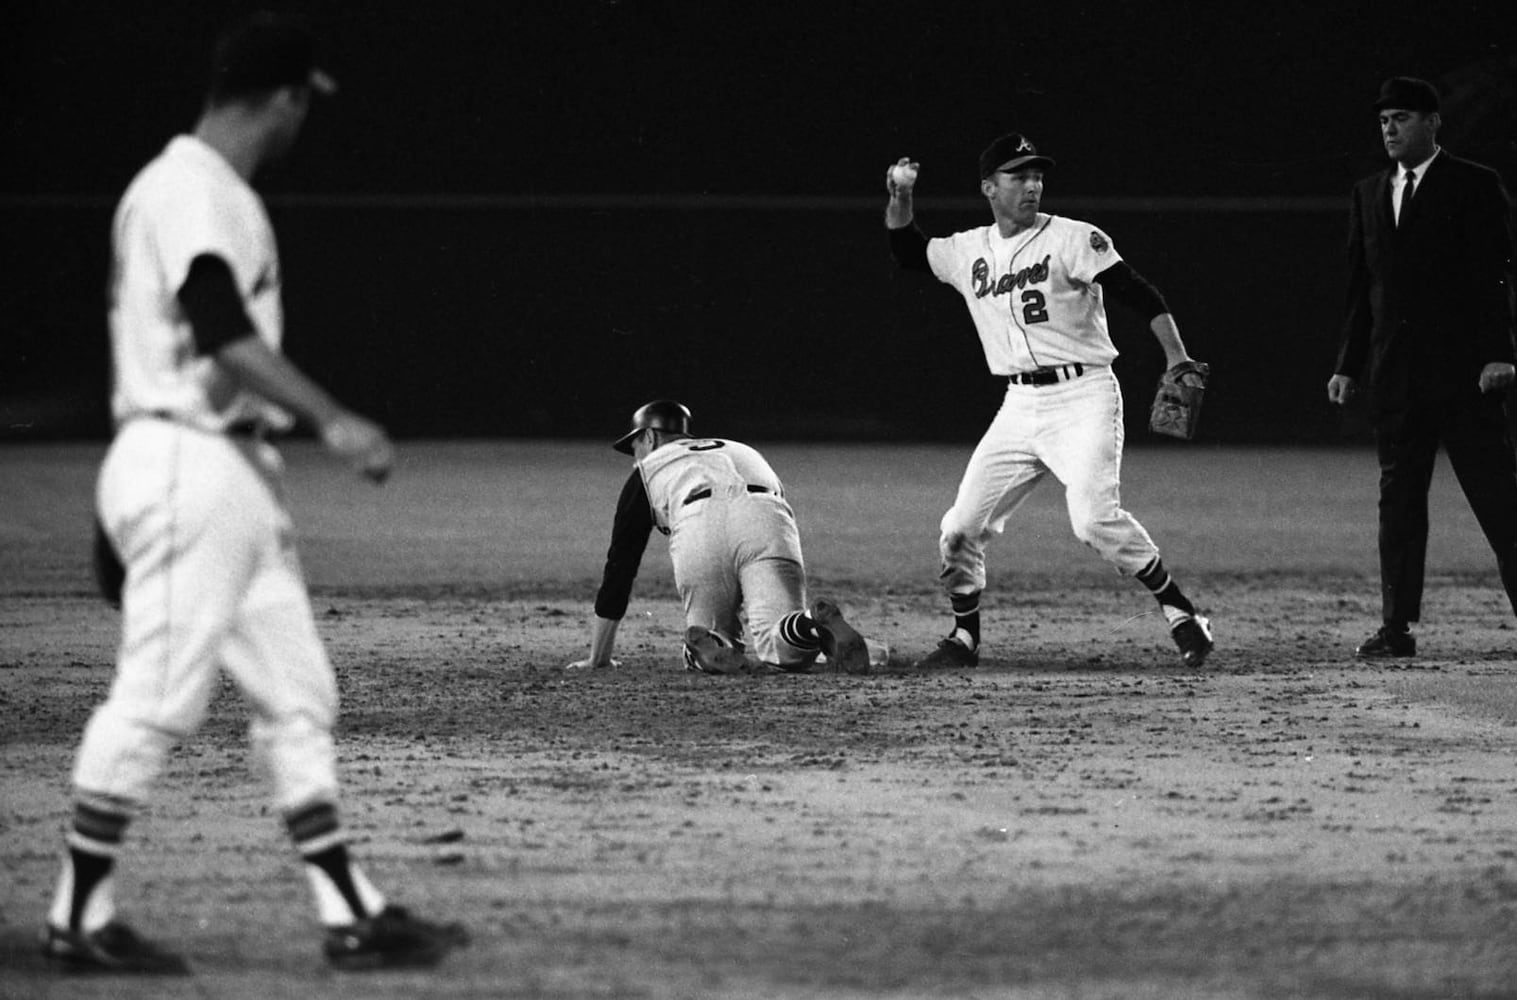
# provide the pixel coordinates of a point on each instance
(1079, 817)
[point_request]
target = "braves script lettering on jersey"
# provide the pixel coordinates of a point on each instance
(1033, 297)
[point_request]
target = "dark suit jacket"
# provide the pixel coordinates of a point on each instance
(1429, 303)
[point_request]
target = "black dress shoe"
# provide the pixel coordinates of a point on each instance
(1388, 642)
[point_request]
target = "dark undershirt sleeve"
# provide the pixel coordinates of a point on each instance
(1130, 288)
(629, 540)
(908, 245)
(210, 299)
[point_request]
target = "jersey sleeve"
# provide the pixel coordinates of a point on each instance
(629, 540)
(1088, 252)
(198, 224)
(908, 245)
(1130, 288)
(943, 257)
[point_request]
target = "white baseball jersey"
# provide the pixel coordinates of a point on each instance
(187, 202)
(1033, 297)
(673, 473)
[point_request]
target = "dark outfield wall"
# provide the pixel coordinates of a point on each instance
(771, 319)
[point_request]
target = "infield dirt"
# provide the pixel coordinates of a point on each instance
(1079, 817)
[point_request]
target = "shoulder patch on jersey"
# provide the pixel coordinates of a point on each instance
(1098, 241)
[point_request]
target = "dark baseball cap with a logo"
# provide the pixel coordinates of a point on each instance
(265, 51)
(1010, 152)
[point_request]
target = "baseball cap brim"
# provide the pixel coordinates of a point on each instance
(1023, 161)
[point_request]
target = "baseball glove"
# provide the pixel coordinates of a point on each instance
(1177, 403)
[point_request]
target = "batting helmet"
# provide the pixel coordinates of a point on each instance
(659, 415)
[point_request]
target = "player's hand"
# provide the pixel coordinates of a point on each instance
(1340, 389)
(1497, 375)
(897, 184)
(361, 443)
(589, 664)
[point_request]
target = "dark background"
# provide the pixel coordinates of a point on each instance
(526, 219)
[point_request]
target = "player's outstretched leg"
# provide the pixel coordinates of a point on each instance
(962, 647)
(844, 647)
(1194, 639)
(1190, 629)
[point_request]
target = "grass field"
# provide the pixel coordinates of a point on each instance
(1080, 817)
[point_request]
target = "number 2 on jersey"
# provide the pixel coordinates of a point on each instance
(1034, 307)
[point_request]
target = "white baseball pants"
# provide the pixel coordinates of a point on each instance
(213, 583)
(1072, 429)
(737, 560)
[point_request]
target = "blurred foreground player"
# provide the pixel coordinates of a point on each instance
(190, 499)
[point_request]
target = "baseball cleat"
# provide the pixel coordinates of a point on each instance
(1387, 642)
(710, 652)
(950, 653)
(113, 948)
(1193, 635)
(845, 648)
(392, 939)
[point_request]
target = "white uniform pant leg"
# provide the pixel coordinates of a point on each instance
(278, 660)
(705, 573)
(771, 572)
(1083, 447)
(189, 519)
(1000, 475)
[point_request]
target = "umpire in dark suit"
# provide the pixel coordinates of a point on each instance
(1430, 314)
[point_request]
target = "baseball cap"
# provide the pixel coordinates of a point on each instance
(265, 51)
(1008, 152)
(1407, 93)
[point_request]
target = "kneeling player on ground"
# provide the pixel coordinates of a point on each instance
(736, 553)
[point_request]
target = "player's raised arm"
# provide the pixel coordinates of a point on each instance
(900, 181)
(908, 244)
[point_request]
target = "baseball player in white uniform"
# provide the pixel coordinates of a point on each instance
(735, 549)
(1034, 284)
(190, 499)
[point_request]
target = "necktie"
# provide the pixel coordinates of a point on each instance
(1406, 197)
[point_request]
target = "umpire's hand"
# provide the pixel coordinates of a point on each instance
(1496, 375)
(1340, 389)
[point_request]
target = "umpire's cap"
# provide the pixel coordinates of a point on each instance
(1008, 152)
(1408, 94)
(266, 51)
(659, 415)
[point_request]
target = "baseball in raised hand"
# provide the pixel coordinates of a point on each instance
(902, 175)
